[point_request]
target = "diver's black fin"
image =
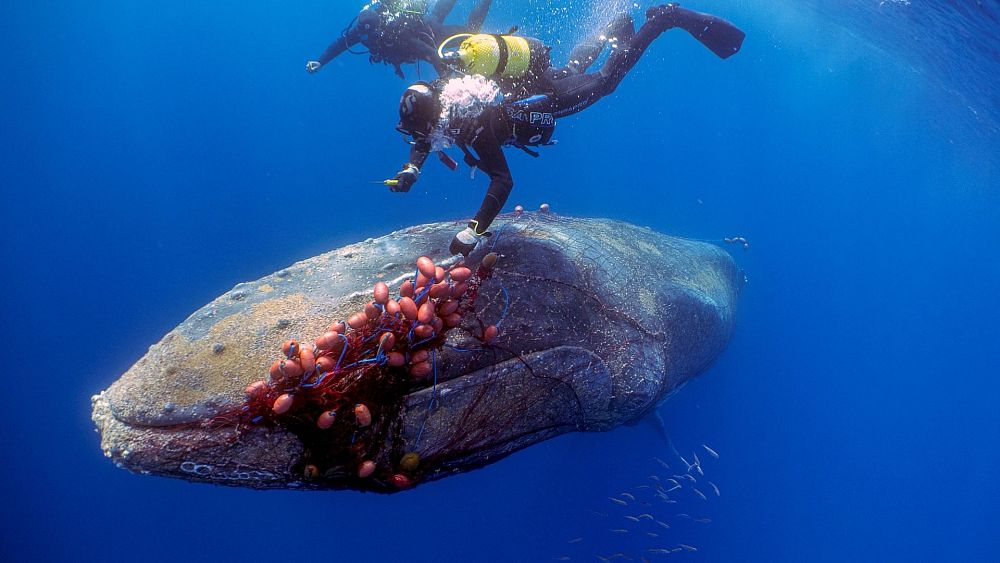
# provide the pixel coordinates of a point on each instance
(721, 37)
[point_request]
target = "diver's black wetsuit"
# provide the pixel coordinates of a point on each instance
(566, 91)
(406, 38)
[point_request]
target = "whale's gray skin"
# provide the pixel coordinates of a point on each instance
(605, 320)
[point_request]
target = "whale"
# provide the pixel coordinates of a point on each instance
(599, 323)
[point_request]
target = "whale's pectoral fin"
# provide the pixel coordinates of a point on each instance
(478, 418)
(655, 422)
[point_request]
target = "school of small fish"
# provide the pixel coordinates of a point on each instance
(646, 512)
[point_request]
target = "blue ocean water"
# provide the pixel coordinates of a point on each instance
(154, 155)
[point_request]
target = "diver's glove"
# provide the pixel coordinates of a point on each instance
(312, 67)
(466, 240)
(405, 179)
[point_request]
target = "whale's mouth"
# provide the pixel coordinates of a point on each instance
(171, 415)
(193, 451)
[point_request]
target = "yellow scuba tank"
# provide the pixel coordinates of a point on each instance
(499, 57)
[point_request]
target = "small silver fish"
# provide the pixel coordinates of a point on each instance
(618, 501)
(652, 534)
(703, 520)
(627, 495)
(575, 540)
(715, 488)
(663, 525)
(700, 494)
(658, 550)
(646, 516)
(710, 451)
(661, 462)
(688, 547)
(618, 530)
(654, 477)
(632, 518)
(563, 558)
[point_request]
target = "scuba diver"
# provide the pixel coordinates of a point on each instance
(474, 114)
(398, 32)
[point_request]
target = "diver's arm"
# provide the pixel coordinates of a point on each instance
(418, 49)
(424, 51)
(343, 43)
(419, 152)
(410, 173)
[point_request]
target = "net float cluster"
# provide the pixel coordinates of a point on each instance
(339, 391)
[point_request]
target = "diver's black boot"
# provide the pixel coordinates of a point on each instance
(721, 37)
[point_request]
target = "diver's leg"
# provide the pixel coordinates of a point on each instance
(478, 15)
(722, 37)
(576, 93)
(618, 32)
(441, 10)
(623, 60)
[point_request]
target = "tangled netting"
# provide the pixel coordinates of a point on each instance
(342, 396)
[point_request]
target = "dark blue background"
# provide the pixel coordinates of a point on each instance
(155, 154)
